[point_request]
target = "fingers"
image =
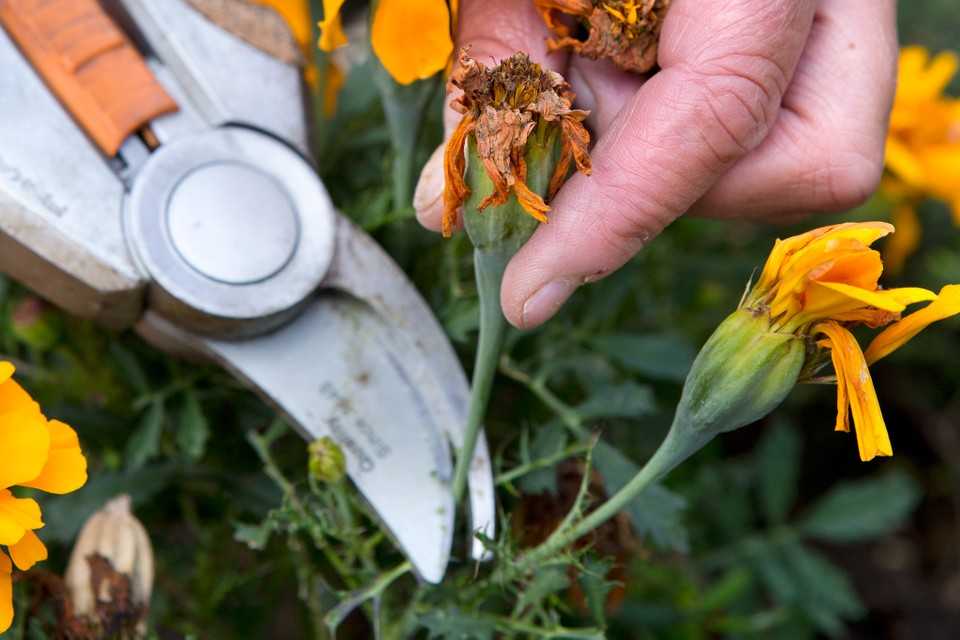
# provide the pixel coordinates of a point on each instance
(493, 29)
(825, 152)
(726, 65)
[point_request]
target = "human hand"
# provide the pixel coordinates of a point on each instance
(764, 109)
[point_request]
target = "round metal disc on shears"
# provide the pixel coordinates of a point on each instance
(233, 226)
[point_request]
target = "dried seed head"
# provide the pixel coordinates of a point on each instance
(110, 575)
(501, 107)
(624, 31)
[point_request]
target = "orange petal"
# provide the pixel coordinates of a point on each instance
(455, 189)
(24, 440)
(296, 13)
(412, 37)
(896, 335)
(331, 27)
(6, 593)
(851, 368)
(28, 552)
(66, 468)
(17, 516)
(530, 201)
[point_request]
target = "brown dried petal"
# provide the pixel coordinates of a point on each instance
(455, 189)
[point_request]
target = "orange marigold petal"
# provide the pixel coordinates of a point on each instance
(24, 440)
(851, 366)
(28, 552)
(66, 468)
(530, 201)
(17, 516)
(896, 335)
(412, 37)
(331, 27)
(455, 189)
(6, 592)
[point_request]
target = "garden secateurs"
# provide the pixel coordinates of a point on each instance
(154, 174)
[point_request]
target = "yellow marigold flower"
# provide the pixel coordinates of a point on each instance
(37, 453)
(817, 285)
(296, 13)
(923, 144)
(410, 37)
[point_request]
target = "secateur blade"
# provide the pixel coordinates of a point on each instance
(228, 246)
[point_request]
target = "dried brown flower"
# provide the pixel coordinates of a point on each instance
(501, 107)
(625, 31)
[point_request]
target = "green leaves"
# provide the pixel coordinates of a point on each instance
(626, 399)
(193, 431)
(659, 356)
(778, 469)
(862, 510)
(144, 444)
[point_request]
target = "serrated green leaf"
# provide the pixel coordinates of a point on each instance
(656, 513)
(660, 356)
(546, 582)
(826, 594)
(255, 536)
(863, 510)
(144, 444)
(548, 440)
(596, 587)
(624, 400)
(778, 470)
(453, 624)
(193, 430)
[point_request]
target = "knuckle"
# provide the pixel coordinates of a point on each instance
(736, 100)
(845, 180)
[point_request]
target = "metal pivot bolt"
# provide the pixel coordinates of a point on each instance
(234, 229)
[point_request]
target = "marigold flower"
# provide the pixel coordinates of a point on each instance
(819, 284)
(410, 37)
(923, 147)
(501, 108)
(625, 31)
(37, 453)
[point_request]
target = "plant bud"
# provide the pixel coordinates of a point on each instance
(743, 372)
(110, 575)
(327, 462)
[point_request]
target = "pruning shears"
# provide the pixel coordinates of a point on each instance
(155, 174)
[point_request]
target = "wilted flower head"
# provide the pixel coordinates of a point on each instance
(624, 31)
(820, 284)
(411, 38)
(501, 107)
(36, 453)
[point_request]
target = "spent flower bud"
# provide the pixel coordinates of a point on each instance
(327, 462)
(110, 575)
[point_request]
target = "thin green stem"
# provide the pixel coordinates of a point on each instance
(490, 265)
(567, 414)
(541, 463)
(360, 596)
(565, 535)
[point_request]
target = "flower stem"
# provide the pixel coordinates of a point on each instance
(668, 456)
(490, 264)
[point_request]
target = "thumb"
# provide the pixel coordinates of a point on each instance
(725, 65)
(494, 30)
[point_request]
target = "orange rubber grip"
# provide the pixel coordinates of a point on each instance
(89, 64)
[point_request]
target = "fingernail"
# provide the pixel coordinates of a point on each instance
(546, 301)
(429, 190)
